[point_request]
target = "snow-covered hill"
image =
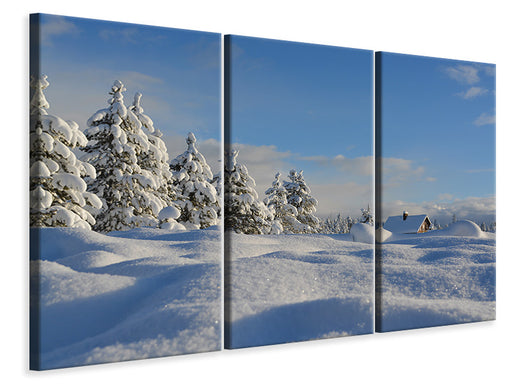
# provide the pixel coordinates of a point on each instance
(129, 295)
(437, 278)
(284, 288)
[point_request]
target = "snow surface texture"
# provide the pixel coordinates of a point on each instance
(130, 295)
(284, 288)
(436, 278)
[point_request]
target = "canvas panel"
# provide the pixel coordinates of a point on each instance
(435, 192)
(298, 187)
(125, 205)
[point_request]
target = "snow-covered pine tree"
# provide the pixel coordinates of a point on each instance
(299, 195)
(244, 213)
(343, 224)
(196, 196)
(58, 195)
(349, 220)
(285, 215)
(367, 216)
(155, 161)
(116, 142)
(218, 184)
(336, 225)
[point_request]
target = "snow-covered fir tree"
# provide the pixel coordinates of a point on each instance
(196, 196)
(349, 221)
(116, 142)
(218, 184)
(335, 225)
(58, 195)
(285, 215)
(154, 162)
(367, 216)
(299, 195)
(244, 212)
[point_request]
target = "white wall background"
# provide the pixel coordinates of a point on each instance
(468, 30)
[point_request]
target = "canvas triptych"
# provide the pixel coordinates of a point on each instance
(347, 192)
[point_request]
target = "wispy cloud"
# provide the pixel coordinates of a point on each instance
(263, 162)
(359, 165)
(488, 69)
(126, 35)
(56, 26)
(473, 92)
(485, 119)
(465, 74)
(397, 171)
(445, 196)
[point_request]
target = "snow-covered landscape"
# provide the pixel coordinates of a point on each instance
(441, 277)
(284, 288)
(127, 249)
(127, 295)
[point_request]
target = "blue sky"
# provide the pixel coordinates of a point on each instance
(306, 107)
(438, 136)
(177, 71)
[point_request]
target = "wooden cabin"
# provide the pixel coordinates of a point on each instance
(406, 223)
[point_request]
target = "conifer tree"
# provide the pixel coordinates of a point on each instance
(116, 141)
(244, 213)
(154, 162)
(299, 195)
(196, 196)
(285, 215)
(58, 195)
(367, 216)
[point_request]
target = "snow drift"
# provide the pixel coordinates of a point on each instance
(362, 233)
(284, 288)
(436, 278)
(130, 295)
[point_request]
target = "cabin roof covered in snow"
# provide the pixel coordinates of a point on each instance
(410, 225)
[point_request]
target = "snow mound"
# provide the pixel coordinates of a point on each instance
(382, 234)
(91, 259)
(169, 213)
(463, 228)
(133, 294)
(362, 233)
(59, 283)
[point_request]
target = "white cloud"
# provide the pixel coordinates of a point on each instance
(397, 171)
(56, 26)
(477, 209)
(445, 196)
(263, 162)
(465, 74)
(489, 69)
(473, 92)
(347, 198)
(485, 119)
